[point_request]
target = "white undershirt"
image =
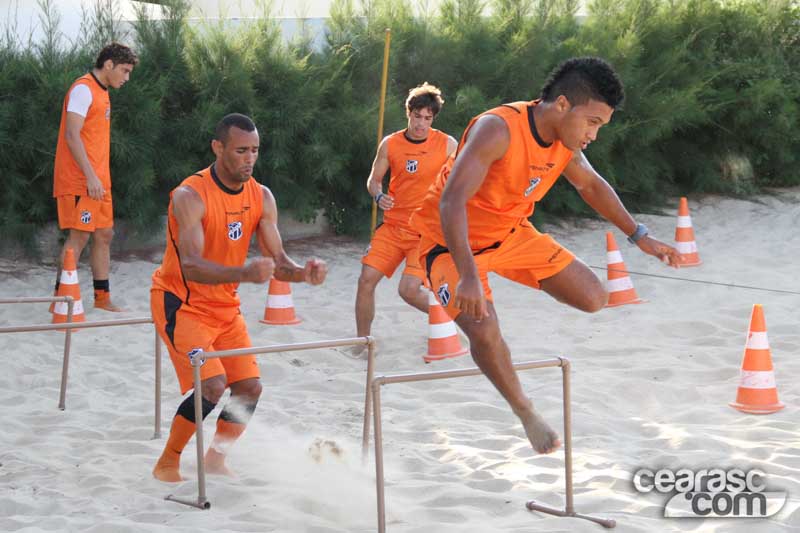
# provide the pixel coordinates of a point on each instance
(80, 98)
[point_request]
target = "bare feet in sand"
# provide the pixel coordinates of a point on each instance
(542, 437)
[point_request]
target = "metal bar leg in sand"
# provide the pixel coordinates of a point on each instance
(569, 510)
(368, 397)
(379, 483)
(201, 502)
(62, 394)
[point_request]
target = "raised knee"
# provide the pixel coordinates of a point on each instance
(406, 292)
(596, 301)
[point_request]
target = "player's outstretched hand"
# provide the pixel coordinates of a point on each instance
(259, 270)
(656, 248)
(315, 271)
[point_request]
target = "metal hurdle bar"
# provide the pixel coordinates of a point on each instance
(562, 362)
(68, 327)
(199, 358)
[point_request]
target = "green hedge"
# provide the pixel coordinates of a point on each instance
(712, 91)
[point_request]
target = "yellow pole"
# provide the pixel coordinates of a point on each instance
(380, 116)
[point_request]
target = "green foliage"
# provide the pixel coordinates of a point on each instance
(713, 89)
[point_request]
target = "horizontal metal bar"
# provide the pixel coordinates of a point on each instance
(355, 341)
(76, 325)
(35, 299)
(472, 371)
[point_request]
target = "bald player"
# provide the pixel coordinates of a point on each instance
(212, 216)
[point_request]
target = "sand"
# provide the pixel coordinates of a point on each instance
(651, 387)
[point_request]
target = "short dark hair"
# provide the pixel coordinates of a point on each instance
(234, 120)
(119, 54)
(581, 79)
(425, 95)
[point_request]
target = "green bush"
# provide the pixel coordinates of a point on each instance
(712, 86)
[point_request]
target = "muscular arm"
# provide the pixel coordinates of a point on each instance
(487, 142)
(72, 133)
(271, 245)
(596, 192)
(188, 209)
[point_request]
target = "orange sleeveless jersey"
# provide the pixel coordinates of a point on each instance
(512, 186)
(413, 167)
(96, 136)
(229, 222)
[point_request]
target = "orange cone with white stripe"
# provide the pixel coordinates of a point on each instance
(69, 286)
(684, 236)
(757, 393)
(280, 308)
(619, 286)
(443, 342)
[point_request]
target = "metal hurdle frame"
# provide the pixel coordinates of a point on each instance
(68, 326)
(199, 358)
(562, 362)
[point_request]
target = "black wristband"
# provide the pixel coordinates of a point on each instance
(378, 197)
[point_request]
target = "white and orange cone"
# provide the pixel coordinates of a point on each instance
(280, 308)
(69, 286)
(443, 342)
(684, 236)
(619, 286)
(757, 392)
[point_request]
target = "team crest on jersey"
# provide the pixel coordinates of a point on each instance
(411, 165)
(234, 231)
(444, 294)
(533, 184)
(86, 217)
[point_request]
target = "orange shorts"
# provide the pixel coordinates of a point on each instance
(389, 246)
(525, 256)
(84, 213)
(184, 329)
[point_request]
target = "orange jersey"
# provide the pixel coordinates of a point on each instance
(96, 136)
(413, 166)
(228, 224)
(513, 183)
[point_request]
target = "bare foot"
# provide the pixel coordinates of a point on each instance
(167, 469)
(542, 437)
(215, 464)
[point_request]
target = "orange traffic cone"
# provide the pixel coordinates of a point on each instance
(69, 286)
(443, 340)
(620, 287)
(280, 308)
(757, 393)
(684, 236)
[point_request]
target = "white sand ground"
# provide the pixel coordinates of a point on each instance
(651, 383)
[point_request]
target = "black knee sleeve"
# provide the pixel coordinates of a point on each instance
(186, 409)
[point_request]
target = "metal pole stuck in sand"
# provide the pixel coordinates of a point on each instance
(199, 357)
(474, 371)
